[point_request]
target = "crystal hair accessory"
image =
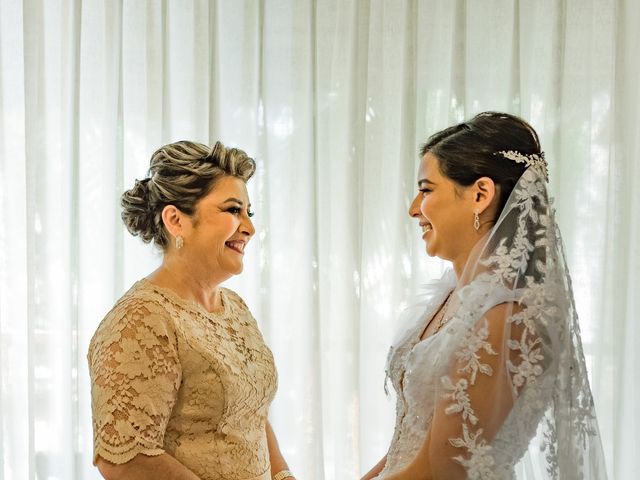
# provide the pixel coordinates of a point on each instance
(531, 159)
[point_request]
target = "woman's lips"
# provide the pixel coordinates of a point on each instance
(236, 245)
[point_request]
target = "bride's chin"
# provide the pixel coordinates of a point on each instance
(429, 251)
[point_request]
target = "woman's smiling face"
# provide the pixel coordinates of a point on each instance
(445, 212)
(221, 227)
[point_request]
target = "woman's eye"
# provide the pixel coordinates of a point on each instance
(238, 211)
(250, 213)
(424, 191)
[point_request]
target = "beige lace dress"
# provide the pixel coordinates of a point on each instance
(168, 376)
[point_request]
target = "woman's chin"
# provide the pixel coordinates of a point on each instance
(430, 250)
(435, 253)
(233, 268)
(238, 269)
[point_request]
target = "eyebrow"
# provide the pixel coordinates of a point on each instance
(425, 180)
(234, 200)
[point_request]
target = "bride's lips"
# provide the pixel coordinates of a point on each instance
(236, 246)
(426, 228)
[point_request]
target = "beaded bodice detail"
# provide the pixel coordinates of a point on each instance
(411, 422)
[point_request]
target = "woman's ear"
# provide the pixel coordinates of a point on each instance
(173, 220)
(484, 192)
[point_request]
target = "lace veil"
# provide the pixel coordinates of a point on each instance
(508, 383)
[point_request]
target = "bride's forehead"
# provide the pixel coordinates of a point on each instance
(429, 167)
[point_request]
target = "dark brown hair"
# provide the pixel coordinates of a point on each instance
(467, 151)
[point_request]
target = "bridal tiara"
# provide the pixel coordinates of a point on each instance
(531, 159)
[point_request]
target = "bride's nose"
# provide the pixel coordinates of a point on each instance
(414, 208)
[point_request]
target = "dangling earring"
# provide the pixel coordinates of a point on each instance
(476, 220)
(179, 242)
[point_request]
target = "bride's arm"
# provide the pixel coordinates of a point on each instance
(473, 408)
(373, 473)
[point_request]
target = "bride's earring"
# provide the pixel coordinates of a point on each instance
(179, 242)
(476, 220)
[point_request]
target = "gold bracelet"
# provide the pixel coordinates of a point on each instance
(283, 474)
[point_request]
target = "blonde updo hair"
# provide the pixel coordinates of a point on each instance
(180, 174)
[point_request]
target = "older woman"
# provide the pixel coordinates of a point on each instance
(490, 375)
(181, 377)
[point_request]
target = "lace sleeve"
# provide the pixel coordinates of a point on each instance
(500, 357)
(135, 375)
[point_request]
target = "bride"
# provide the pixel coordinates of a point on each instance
(490, 375)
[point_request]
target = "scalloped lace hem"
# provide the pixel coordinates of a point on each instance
(124, 457)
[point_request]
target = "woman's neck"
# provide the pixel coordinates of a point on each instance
(188, 282)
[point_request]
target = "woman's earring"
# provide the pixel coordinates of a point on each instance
(179, 242)
(476, 220)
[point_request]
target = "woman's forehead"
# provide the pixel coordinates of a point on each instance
(227, 188)
(228, 185)
(429, 167)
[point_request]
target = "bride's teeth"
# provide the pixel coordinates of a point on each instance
(426, 228)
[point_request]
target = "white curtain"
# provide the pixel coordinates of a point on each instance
(333, 98)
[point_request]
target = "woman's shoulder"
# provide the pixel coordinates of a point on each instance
(139, 309)
(140, 300)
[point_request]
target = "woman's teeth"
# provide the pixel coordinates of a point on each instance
(427, 228)
(237, 246)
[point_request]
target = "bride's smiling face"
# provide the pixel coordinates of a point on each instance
(445, 212)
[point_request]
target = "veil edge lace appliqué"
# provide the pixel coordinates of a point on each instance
(516, 328)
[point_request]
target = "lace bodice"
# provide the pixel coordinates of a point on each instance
(417, 368)
(411, 421)
(168, 376)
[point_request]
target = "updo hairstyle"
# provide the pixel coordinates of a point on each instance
(180, 174)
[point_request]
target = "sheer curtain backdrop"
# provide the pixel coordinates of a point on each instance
(332, 98)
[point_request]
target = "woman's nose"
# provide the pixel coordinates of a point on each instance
(414, 208)
(247, 227)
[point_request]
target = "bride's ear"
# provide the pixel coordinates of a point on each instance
(483, 192)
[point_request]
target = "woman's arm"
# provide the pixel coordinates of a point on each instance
(135, 378)
(278, 463)
(373, 473)
(145, 467)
